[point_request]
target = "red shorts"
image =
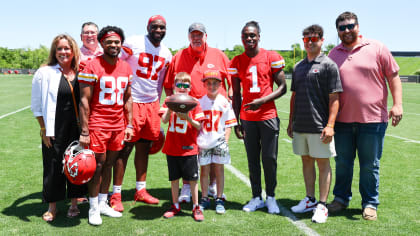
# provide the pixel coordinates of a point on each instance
(146, 121)
(102, 140)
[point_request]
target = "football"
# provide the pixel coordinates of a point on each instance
(181, 102)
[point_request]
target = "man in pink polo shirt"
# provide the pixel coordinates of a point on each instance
(90, 48)
(365, 68)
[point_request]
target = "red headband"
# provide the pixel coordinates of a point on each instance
(109, 34)
(155, 17)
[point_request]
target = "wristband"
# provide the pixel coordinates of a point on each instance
(130, 126)
(85, 135)
(330, 125)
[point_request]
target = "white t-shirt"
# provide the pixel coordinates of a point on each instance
(219, 116)
(149, 65)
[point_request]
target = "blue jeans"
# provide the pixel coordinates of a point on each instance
(368, 140)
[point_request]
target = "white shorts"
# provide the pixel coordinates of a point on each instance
(311, 144)
(219, 155)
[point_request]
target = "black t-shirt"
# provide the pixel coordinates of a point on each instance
(312, 83)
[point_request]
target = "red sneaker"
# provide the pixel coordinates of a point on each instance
(116, 203)
(171, 212)
(198, 214)
(143, 196)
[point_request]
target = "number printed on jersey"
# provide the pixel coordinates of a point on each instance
(178, 126)
(211, 123)
(149, 66)
(112, 90)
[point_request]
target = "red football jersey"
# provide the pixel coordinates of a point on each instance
(109, 85)
(256, 75)
(181, 137)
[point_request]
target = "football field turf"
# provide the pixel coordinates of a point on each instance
(21, 184)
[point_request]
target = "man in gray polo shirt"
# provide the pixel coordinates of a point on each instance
(313, 109)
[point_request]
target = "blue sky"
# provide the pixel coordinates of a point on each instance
(32, 23)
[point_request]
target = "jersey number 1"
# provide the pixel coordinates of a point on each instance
(254, 74)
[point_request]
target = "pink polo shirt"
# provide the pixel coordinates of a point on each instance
(86, 54)
(363, 73)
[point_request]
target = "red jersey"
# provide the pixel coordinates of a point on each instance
(187, 61)
(181, 137)
(256, 76)
(109, 85)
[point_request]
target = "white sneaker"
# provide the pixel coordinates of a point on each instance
(304, 205)
(320, 214)
(185, 194)
(95, 216)
(213, 192)
(254, 204)
(272, 206)
(105, 209)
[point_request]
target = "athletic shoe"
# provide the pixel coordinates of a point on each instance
(213, 192)
(204, 203)
(220, 206)
(95, 216)
(197, 214)
(304, 205)
(369, 214)
(336, 206)
(254, 204)
(171, 212)
(272, 206)
(320, 214)
(105, 209)
(143, 196)
(185, 194)
(116, 203)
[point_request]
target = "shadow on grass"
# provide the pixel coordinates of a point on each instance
(25, 207)
(143, 211)
(349, 213)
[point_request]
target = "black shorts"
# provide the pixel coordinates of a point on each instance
(185, 167)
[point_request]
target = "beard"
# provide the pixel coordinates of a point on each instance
(349, 38)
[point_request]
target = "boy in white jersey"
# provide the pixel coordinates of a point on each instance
(213, 138)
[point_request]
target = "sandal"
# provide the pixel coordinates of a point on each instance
(49, 216)
(73, 212)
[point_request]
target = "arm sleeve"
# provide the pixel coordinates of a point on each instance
(36, 96)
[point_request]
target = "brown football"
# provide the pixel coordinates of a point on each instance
(181, 102)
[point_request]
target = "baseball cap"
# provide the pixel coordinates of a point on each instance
(197, 26)
(212, 74)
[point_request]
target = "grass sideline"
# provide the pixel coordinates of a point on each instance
(21, 175)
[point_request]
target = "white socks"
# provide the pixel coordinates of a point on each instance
(140, 185)
(102, 197)
(116, 189)
(93, 202)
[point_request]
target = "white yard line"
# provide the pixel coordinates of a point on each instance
(289, 215)
(287, 140)
(405, 139)
(11, 113)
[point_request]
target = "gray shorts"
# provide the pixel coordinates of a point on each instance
(219, 155)
(311, 144)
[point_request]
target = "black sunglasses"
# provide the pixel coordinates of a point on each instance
(343, 27)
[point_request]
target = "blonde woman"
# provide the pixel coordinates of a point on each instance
(55, 95)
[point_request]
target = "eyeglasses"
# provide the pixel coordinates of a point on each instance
(182, 85)
(343, 27)
(312, 39)
(89, 33)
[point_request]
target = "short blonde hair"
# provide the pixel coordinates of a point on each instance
(182, 77)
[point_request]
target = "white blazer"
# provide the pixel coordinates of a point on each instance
(44, 95)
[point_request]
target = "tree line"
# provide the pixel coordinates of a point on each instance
(34, 58)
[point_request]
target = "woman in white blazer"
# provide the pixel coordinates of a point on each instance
(55, 97)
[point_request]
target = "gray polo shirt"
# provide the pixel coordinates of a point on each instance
(313, 82)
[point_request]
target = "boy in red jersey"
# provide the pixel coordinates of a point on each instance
(105, 98)
(181, 147)
(255, 71)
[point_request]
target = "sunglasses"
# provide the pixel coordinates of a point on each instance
(343, 27)
(182, 85)
(312, 39)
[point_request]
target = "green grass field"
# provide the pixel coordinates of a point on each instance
(408, 65)
(21, 184)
